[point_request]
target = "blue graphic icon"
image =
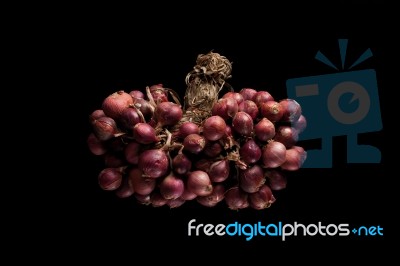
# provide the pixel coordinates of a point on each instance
(344, 103)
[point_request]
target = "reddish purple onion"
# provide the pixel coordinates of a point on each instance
(271, 110)
(125, 190)
(157, 200)
(225, 108)
(243, 124)
(104, 128)
(116, 103)
(132, 152)
(274, 154)
(250, 152)
(262, 97)
(234, 95)
(136, 94)
(144, 133)
(194, 143)
(248, 93)
(141, 184)
(203, 164)
(214, 128)
(249, 107)
(286, 135)
(264, 130)
(251, 179)
(295, 158)
(199, 183)
(171, 187)
(96, 115)
(301, 124)
(214, 198)
(153, 163)
(187, 194)
(187, 128)
(236, 199)
(168, 113)
(276, 179)
(181, 164)
(219, 171)
(291, 110)
(261, 199)
(212, 149)
(110, 178)
(145, 107)
(129, 118)
(95, 145)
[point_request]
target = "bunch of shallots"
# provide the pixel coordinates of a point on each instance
(234, 149)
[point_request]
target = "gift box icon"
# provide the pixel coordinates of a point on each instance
(344, 103)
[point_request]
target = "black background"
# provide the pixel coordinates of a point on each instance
(124, 51)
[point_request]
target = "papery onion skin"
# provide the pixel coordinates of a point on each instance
(248, 93)
(301, 124)
(194, 143)
(295, 158)
(250, 152)
(116, 103)
(181, 164)
(249, 107)
(271, 110)
(276, 179)
(262, 97)
(110, 178)
(199, 183)
(219, 171)
(125, 190)
(286, 135)
(105, 128)
(168, 113)
(171, 187)
(236, 199)
(187, 128)
(159, 93)
(154, 163)
(212, 149)
(129, 118)
(225, 108)
(274, 154)
(261, 199)
(96, 114)
(291, 110)
(136, 94)
(243, 124)
(251, 179)
(214, 128)
(144, 133)
(140, 183)
(214, 198)
(234, 95)
(264, 130)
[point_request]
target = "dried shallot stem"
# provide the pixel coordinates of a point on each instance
(204, 83)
